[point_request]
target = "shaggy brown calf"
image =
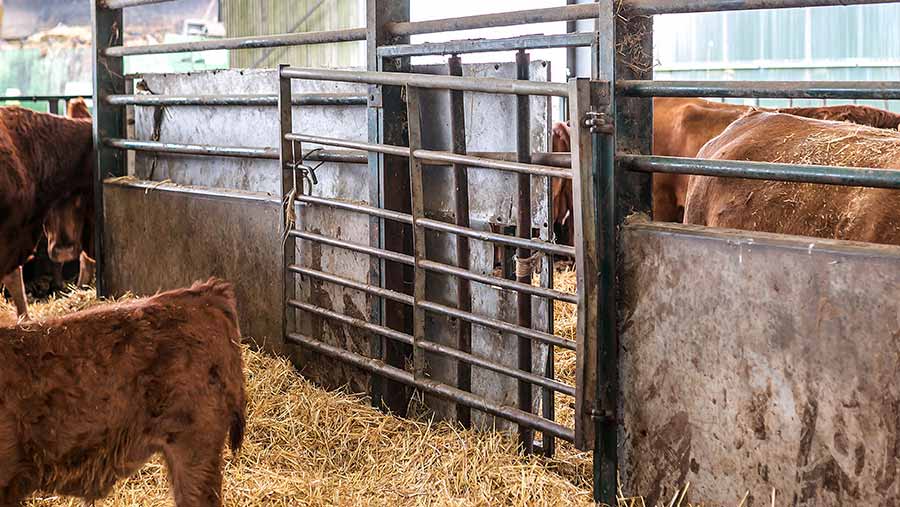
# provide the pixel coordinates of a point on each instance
(87, 399)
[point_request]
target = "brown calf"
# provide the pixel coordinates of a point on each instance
(89, 398)
(44, 160)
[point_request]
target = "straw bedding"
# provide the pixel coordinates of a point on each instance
(308, 447)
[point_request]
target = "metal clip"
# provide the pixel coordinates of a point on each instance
(599, 123)
(308, 172)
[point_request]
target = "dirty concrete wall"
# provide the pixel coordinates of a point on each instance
(164, 237)
(756, 361)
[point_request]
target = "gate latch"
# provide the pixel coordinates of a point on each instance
(599, 123)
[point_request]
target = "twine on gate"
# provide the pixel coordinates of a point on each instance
(529, 265)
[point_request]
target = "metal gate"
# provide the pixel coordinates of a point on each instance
(299, 174)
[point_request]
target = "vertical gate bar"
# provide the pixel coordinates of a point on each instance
(548, 396)
(108, 72)
(586, 254)
(286, 159)
(389, 178)
(523, 189)
(463, 252)
(413, 105)
(53, 106)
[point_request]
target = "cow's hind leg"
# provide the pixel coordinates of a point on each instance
(15, 283)
(195, 470)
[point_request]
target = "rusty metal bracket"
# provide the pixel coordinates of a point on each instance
(599, 122)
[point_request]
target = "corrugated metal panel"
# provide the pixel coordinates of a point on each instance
(841, 43)
(267, 17)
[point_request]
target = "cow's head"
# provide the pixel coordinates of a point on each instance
(64, 228)
(65, 222)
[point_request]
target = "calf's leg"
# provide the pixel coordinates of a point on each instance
(15, 283)
(195, 470)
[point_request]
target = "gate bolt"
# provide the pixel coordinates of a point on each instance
(599, 123)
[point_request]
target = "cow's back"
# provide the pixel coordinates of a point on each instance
(827, 211)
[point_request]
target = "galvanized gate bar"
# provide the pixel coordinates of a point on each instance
(346, 282)
(523, 260)
(355, 247)
(289, 181)
(488, 45)
(499, 282)
(435, 388)
(430, 157)
(463, 252)
(396, 216)
(502, 239)
(652, 7)
(427, 346)
(119, 4)
(467, 84)
(346, 156)
(862, 90)
(299, 99)
(827, 175)
(523, 17)
(109, 121)
(252, 42)
(413, 113)
(499, 325)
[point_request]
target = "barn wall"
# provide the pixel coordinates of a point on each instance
(756, 361)
(162, 237)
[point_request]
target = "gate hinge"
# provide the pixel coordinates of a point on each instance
(601, 415)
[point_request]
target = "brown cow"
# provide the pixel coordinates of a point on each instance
(825, 211)
(70, 224)
(561, 188)
(90, 397)
(682, 126)
(44, 159)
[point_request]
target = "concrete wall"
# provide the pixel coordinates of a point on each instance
(756, 361)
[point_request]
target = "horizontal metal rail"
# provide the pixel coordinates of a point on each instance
(119, 4)
(436, 388)
(436, 267)
(447, 269)
(352, 284)
(828, 175)
(263, 41)
(436, 157)
(861, 90)
(300, 99)
(502, 165)
(523, 17)
(41, 98)
(543, 246)
(457, 47)
(357, 207)
(348, 157)
(354, 247)
(499, 325)
(386, 149)
(551, 159)
(425, 345)
(465, 84)
(652, 7)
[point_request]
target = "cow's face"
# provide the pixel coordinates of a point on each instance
(64, 227)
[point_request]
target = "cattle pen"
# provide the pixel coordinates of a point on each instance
(365, 252)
